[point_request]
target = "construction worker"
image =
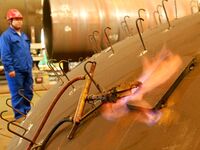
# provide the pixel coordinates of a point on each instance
(17, 62)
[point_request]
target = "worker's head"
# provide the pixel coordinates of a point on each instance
(15, 18)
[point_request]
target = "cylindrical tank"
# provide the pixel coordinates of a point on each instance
(32, 12)
(68, 23)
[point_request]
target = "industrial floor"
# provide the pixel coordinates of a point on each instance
(5, 135)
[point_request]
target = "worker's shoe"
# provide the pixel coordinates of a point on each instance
(19, 120)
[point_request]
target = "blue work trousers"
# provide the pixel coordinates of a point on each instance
(21, 84)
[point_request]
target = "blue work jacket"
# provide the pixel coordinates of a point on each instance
(0, 48)
(15, 51)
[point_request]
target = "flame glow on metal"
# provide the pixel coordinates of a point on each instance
(156, 71)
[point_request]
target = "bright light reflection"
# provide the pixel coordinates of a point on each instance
(20, 141)
(100, 14)
(67, 29)
(120, 14)
(42, 38)
(83, 14)
(65, 8)
(147, 14)
(30, 126)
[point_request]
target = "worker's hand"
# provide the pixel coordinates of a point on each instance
(12, 74)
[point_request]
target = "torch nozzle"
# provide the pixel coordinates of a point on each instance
(115, 93)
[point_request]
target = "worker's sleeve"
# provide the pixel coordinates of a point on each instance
(6, 54)
(0, 48)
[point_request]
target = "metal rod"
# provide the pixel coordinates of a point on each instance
(196, 4)
(191, 5)
(166, 13)
(91, 78)
(51, 66)
(91, 39)
(55, 100)
(75, 125)
(95, 40)
(139, 19)
(154, 14)
(176, 12)
(82, 99)
(22, 95)
(55, 69)
(123, 25)
(64, 71)
(91, 111)
(139, 15)
(34, 92)
(108, 40)
(61, 68)
(14, 108)
(159, 6)
(19, 135)
(192, 10)
(80, 60)
(126, 23)
(1, 115)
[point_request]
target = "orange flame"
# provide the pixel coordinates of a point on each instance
(156, 71)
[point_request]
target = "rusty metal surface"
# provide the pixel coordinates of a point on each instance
(178, 127)
(67, 24)
(32, 12)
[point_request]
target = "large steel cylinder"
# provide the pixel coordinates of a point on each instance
(67, 24)
(32, 13)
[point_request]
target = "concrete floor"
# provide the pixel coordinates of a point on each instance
(5, 135)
